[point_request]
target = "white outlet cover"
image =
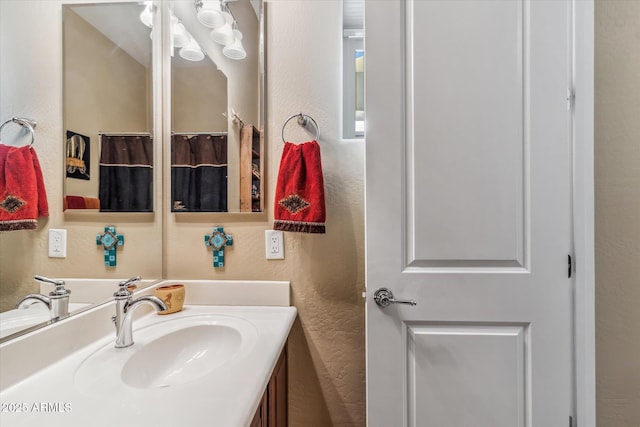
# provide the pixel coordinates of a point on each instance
(57, 243)
(274, 244)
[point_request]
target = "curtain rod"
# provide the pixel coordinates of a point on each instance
(124, 133)
(200, 133)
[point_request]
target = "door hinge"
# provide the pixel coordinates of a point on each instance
(571, 99)
(570, 266)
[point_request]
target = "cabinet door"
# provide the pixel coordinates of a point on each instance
(272, 411)
(277, 393)
(260, 419)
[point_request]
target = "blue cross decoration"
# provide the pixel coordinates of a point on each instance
(110, 239)
(218, 240)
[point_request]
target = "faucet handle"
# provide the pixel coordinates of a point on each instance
(123, 287)
(47, 280)
(59, 291)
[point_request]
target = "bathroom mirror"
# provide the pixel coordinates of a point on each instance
(107, 107)
(217, 111)
(216, 95)
(244, 97)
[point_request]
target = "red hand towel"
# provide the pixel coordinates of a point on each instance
(22, 194)
(299, 204)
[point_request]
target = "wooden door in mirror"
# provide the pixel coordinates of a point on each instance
(251, 169)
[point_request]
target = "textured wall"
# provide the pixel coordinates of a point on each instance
(617, 215)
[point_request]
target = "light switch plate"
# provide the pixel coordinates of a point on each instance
(57, 243)
(274, 244)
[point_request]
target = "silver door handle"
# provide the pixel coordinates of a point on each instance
(384, 297)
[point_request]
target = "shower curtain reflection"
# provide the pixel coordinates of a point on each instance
(126, 173)
(199, 172)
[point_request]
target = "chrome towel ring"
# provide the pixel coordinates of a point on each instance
(25, 123)
(303, 120)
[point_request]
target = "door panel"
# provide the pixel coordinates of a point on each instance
(468, 190)
(467, 374)
(466, 96)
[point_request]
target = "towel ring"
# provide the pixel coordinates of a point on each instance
(303, 120)
(25, 123)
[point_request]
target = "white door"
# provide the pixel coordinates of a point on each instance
(468, 212)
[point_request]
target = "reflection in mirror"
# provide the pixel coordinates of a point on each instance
(199, 137)
(84, 294)
(108, 117)
(216, 103)
(353, 68)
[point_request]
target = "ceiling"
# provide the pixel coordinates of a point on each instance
(120, 23)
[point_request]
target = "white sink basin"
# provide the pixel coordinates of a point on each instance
(168, 353)
(182, 356)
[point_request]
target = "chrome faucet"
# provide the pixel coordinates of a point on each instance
(57, 302)
(125, 307)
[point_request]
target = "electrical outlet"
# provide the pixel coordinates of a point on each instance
(57, 243)
(274, 244)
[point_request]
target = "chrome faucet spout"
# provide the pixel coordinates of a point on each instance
(57, 302)
(124, 320)
(32, 299)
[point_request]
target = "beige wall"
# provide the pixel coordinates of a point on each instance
(198, 98)
(617, 214)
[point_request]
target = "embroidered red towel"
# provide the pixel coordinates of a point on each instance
(22, 194)
(299, 204)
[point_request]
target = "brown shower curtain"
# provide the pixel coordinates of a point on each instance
(126, 173)
(199, 173)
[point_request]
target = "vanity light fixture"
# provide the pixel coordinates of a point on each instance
(209, 13)
(179, 33)
(223, 35)
(180, 37)
(235, 50)
(146, 16)
(192, 51)
(216, 14)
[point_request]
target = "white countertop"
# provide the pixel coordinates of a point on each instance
(226, 397)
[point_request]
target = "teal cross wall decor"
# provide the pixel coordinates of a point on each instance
(110, 239)
(218, 240)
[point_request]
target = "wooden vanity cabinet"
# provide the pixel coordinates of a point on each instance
(272, 411)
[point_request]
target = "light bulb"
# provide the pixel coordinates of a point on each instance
(210, 14)
(192, 51)
(235, 50)
(223, 35)
(180, 35)
(146, 16)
